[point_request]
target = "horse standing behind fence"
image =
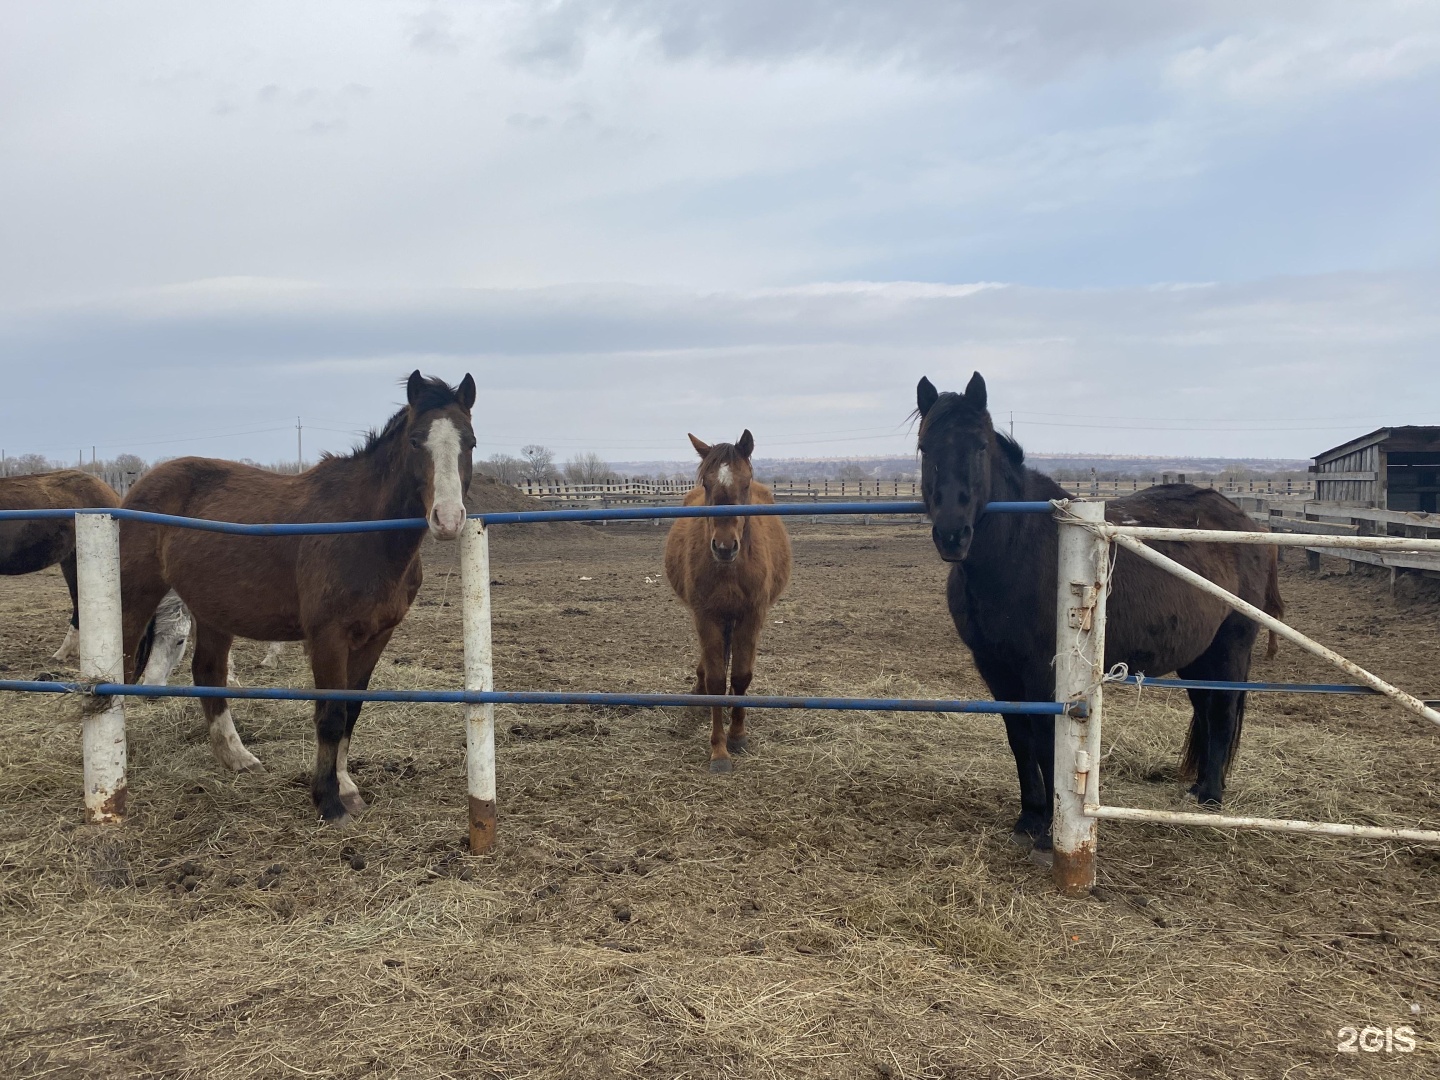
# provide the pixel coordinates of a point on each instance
(1002, 593)
(28, 546)
(343, 594)
(729, 571)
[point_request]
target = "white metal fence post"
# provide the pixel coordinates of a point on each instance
(102, 659)
(479, 675)
(1079, 669)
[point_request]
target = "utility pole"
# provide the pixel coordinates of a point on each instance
(1012, 425)
(299, 447)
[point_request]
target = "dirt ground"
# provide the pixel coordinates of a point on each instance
(846, 904)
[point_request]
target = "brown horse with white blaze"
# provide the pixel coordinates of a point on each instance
(30, 545)
(729, 571)
(342, 594)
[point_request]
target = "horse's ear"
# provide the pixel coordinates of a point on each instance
(700, 448)
(746, 444)
(925, 395)
(413, 386)
(466, 392)
(975, 392)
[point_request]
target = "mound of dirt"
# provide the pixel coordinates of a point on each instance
(489, 496)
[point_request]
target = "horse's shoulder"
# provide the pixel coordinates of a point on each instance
(761, 493)
(694, 497)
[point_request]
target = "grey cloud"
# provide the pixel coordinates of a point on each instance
(615, 369)
(1031, 38)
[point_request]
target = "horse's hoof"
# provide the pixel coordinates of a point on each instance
(354, 804)
(721, 765)
(738, 746)
(1022, 839)
(335, 820)
(1044, 858)
(1044, 842)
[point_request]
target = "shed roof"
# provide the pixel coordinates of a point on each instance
(1411, 437)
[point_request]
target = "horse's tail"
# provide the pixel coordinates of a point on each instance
(1199, 735)
(1274, 603)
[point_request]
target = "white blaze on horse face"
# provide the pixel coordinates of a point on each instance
(724, 477)
(447, 506)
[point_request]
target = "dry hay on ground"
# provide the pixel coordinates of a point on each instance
(846, 904)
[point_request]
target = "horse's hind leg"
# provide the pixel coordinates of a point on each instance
(210, 667)
(1215, 729)
(71, 645)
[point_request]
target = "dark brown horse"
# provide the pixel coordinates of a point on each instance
(729, 570)
(28, 546)
(342, 594)
(1002, 593)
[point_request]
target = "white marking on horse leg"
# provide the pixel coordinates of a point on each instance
(349, 790)
(70, 646)
(447, 508)
(229, 750)
(272, 655)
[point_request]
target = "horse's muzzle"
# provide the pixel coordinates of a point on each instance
(724, 554)
(447, 520)
(952, 544)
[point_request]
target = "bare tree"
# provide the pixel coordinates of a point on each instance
(29, 464)
(539, 462)
(506, 468)
(588, 468)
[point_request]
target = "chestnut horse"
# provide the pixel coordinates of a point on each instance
(729, 571)
(342, 594)
(1002, 594)
(27, 546)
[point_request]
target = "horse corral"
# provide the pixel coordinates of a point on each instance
(846, 904)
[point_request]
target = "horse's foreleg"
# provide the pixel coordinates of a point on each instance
(712, 676)
(1042, 746)
(211, 667)
(361, 666)
(744, 642)
(329, 662)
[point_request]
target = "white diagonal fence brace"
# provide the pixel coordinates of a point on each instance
(1080, 516)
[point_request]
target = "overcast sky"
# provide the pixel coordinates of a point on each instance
(1168, 228)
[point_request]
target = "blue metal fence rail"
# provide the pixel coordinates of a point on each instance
(624, 513)
(539, 697)
(529, 697)
(516, 517)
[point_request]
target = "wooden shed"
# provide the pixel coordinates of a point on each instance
(1390, 469)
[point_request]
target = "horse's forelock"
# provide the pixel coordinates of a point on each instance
(950, 406)
(720, 455)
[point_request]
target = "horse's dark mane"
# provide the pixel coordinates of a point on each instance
(435, 393)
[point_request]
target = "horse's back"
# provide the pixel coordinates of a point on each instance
(1150, 606)
(216, 489)
(30, 545)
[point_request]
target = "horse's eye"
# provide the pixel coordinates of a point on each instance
(415, 442)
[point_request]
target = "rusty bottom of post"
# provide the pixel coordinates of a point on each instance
(1075, 870)
(110, 810)
(482, 825)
